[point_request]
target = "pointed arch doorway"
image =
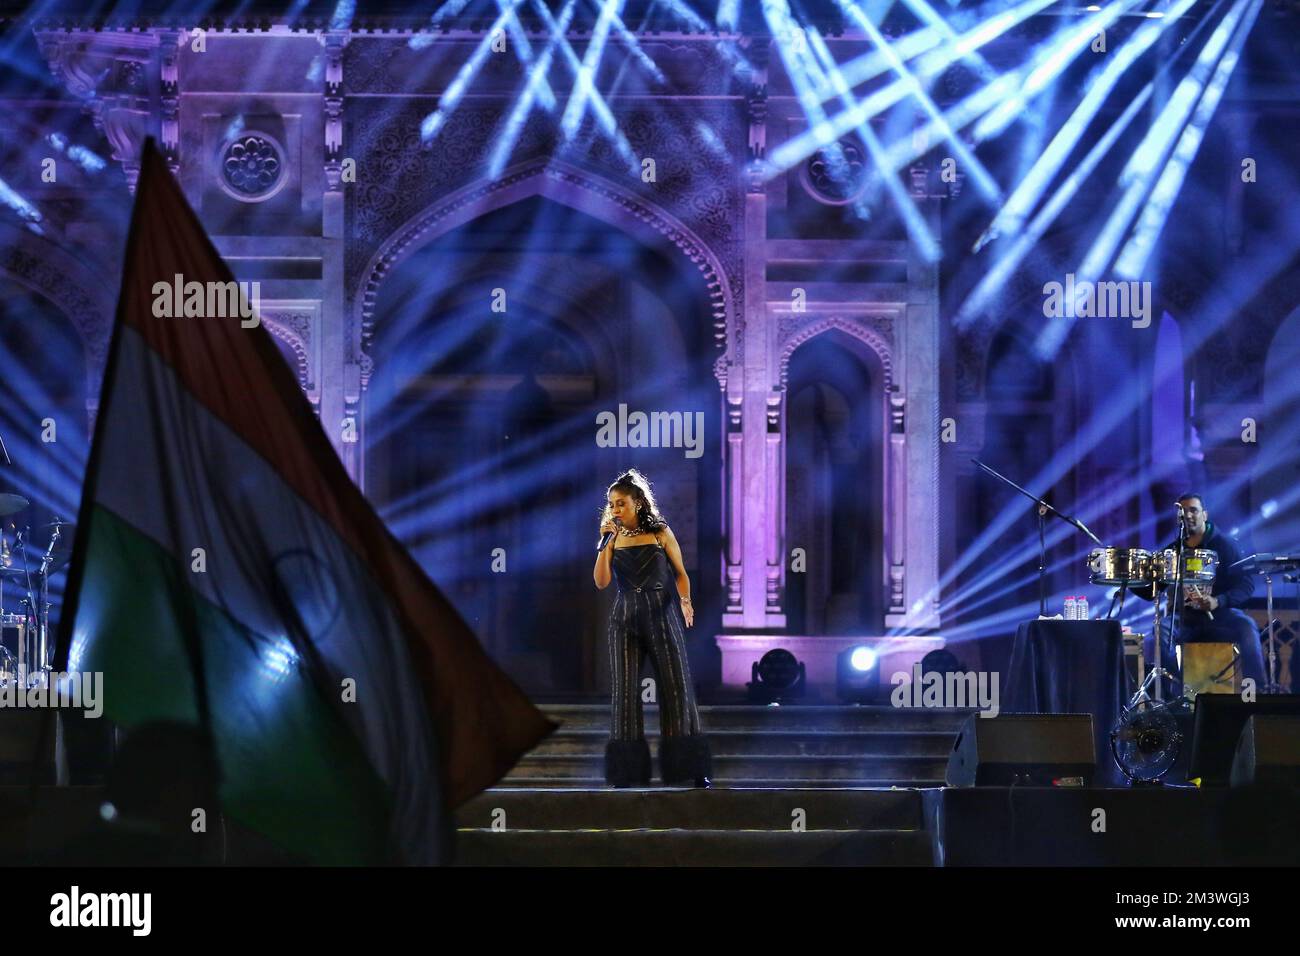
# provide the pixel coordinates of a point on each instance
(480, 424)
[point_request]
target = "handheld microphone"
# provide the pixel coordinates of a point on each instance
(604, 539)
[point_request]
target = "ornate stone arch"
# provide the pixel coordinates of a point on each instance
(296, 324)
(975, 340)
(868, 335)
(560, 182)
(67, 283)
(1067, 371)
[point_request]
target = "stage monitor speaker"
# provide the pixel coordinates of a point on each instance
(1217, 727)
(1268, 752)
(1033, 749)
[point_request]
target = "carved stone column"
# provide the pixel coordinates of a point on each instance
(169, 42)
(344, 372)
(774, 518)
(753, 446)
(914, 431)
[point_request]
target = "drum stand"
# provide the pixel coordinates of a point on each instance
(1157, 673)
(1272, 687)
(32, 661)
(44, 614)
(1268, 565)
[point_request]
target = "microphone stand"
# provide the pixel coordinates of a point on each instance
(1043, 509)
(1174, 621)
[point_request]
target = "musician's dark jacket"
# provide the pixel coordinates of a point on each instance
(1233, 586)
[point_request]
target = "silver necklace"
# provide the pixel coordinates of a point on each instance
(632, 533)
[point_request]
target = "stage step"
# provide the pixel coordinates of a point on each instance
(843, 773)
(763, 767)
(771, 743)
(819, 747)
(656, 808)
(756, 717)
(675, 827)
(693, 848)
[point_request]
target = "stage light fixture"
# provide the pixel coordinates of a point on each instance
(862, 658)
(941, 662)
(778, 676)
(857, 676)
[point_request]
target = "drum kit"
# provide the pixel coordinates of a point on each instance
(1151, 732)
(1148, 738)
(25, 569)
(1129, 568)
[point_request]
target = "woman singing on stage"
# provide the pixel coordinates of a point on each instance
(649, 617)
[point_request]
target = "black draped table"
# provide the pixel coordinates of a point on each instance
(1071, 667)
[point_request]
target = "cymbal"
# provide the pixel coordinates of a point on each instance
(56, 523)
(60, 552)
(12, 504)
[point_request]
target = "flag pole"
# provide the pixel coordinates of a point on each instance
(151, 165)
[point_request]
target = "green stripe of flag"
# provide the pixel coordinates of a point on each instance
(291, 770)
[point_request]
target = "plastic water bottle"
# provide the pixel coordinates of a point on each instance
(1071, 608)
(1082, 609)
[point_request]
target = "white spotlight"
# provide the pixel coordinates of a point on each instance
(863, 659)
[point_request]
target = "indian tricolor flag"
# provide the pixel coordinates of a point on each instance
(228, 573)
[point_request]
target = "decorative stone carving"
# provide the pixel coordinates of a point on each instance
(541, 177)
(920, 174)
(334, 44)
(169, 85)
(108, 71)
(296, 329)
(695, 185)
(876, 332)
(835, 178)
(252, 166)
(46, 271)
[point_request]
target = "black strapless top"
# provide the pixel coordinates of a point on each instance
(642, 567)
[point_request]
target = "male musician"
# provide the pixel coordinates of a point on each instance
(1214, 613)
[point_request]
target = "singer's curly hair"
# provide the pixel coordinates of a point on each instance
(637, 485)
